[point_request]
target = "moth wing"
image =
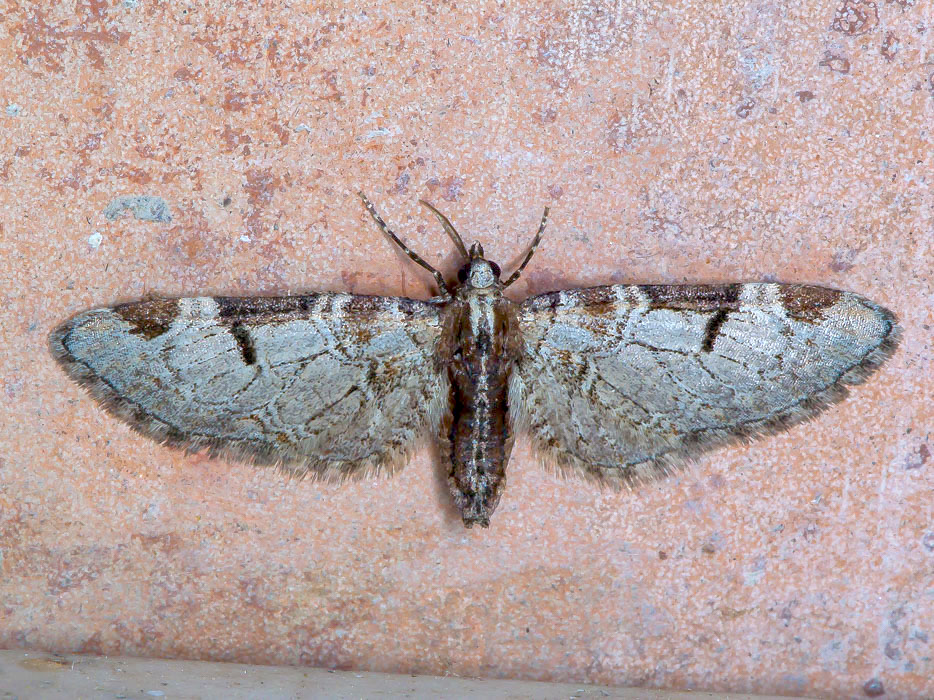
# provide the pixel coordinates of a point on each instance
(323, 384)
(622, 382)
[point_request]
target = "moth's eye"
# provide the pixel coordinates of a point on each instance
(496, 270)
(462, 274)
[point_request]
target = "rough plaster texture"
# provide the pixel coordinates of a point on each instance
(181, 148)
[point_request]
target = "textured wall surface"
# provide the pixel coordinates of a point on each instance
(204, 148)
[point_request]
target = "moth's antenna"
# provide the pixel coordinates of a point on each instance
(442, 285)
(449, 228)
(535, 241)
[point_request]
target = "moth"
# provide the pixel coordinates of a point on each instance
(617, 383)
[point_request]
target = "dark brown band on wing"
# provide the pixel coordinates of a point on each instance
(714, 324)
(244, 342)
(301, 306)
(803, 302)
(693, 297)
(590, 296)
(149, 319)
(808, 303)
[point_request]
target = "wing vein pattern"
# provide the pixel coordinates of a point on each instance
(622, 382)
(328, 385)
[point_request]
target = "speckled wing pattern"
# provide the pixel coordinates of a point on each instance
(322, 384)
(621, 382)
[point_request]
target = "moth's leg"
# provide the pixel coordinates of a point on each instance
(449, 228)
(439, 279)
(535, 241)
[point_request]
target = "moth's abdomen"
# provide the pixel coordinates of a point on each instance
(480, 435)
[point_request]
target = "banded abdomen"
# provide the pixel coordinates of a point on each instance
(480, 434)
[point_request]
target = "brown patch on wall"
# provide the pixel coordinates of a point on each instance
(193, 244)
(545, 115)
(450, 187)
(540, 280)
(401, 185)
(855, 17)
(127, 172)
(160, 544)
(261, 185)
(233, 138)
(918, 457)
(889, 46)
(745, 108)
(334, 92)
(837, 64)
(47, 44)
(844, 259)
(281, 132)
(5, 170)
(235, 101)
(94, 8)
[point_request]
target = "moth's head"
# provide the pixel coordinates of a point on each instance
(479, 272)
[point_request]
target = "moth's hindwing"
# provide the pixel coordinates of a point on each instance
(323, 384)
(621, 382)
